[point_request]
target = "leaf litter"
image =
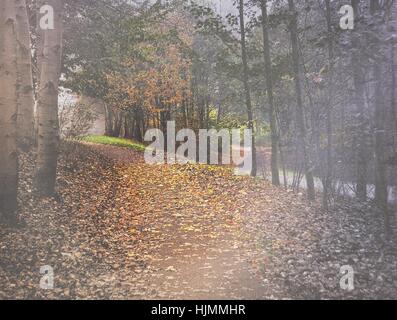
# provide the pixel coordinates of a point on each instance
(123, 229)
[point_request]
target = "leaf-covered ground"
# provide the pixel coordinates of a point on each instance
(122, 229)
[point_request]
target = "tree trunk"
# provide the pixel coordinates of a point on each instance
(358, 79)
(138, 124)
(184, 114)
(201, 112)
(117, 123)
(329, 169)
(380, 161)
(8, 115)
(127, 126)
(300, 111)
(269, 84)
(207, 112)
(380, 118)
(246, 86)
(108, 121)
(48, 130)
(393, 88)
(25, 78)
(39, 42)
(39, 52)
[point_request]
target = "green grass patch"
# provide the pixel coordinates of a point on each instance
(119, 142)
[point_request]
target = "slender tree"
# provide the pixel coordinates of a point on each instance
(359, 100)
(329, 169)
(247, 90)
(393, 86)
(270, 95)
(8, 107)
(298, 91)
(48, 135)
(380, 119)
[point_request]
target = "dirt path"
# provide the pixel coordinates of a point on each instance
(193, 245)
(122, 229)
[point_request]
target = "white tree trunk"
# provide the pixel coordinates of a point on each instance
(47, 107)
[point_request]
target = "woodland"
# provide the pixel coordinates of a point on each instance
(313, 80)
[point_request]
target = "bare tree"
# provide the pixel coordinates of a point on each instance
(300, 109)
(359, 99)
(380, 119)
(269, 84)
(329, 169)
(247, 90)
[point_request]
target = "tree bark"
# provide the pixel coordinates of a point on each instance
(380, 161)
(108, 120)
(269, 84)
(117, 123)
(358, 79)
(8, 115)
(25, 78)
(39, 42)
(329, 169)
(393, 88)
(48, 129)
(300, 109)
(246, 86)
(39, 53)
(380, 130)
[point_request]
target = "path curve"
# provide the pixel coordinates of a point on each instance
(193, 246)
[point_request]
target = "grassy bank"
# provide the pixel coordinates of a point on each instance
(119, 142)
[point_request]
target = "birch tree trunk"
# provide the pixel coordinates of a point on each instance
(47, 107)
(300, 109)
(269, 84)
(25, 78)
(8, 108)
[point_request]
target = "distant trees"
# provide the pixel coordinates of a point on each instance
(146, 81)
(284, 68)
(341, 82)
(322, 99)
